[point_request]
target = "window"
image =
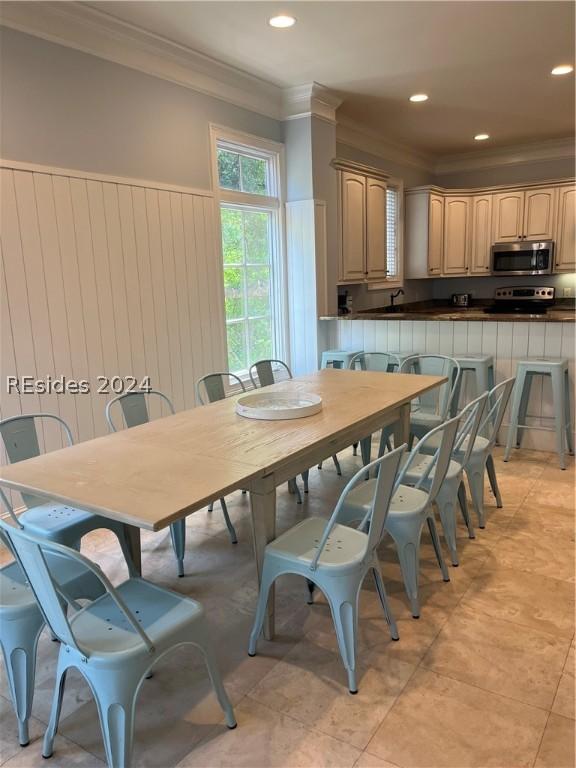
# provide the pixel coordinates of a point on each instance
(394, 235)
(392, 218)
(250, 207)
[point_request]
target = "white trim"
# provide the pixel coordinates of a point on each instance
(91, 30)
(433, 188)
(311, 99)
(554, 149)
(16, 165)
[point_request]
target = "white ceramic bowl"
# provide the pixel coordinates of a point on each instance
(273, 406)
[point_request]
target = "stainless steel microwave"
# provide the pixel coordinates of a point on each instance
(523, 258)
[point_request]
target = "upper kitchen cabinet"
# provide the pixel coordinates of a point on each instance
(456, 235)
(362, 216)
(424, 232)
(353, 222)
(524, 215)
(480, 234)
(565, 258)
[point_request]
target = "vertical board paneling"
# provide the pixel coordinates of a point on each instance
(507, 342)
(104, 278)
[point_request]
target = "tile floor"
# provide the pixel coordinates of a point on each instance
(484, 678)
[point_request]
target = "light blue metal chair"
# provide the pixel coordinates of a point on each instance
(21, 623)
(336, 558)
(135, 412)
(557, 370)
(411, 507)
(266, 372)
(114, 641)
(384, 362)
(52, 520)
(480, 460)
(452, 489)
(432, 408)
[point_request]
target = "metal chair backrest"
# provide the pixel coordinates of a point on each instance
(498, 399)
(30, 552)
(265, 372)
(374, 361)
(441, 458)
(20, 439)
(470, 420)
(134, 407)
(387, 469)
(442, 400)
(214, 386)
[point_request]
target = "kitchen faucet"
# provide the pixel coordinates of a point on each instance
(399, 292)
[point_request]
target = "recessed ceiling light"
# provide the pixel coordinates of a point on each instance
(481, 136)
(563, 69)
(419, 97)
(282, 22)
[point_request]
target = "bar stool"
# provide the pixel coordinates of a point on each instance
(557, 369)
(338, 358)
(480, 368)
(400, 356)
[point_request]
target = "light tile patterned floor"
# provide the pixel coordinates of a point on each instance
(484, 678)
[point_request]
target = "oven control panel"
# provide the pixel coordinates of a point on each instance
(527, 293)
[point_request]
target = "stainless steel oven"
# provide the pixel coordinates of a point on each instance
(522, 258)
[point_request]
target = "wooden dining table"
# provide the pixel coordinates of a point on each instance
(151, 475)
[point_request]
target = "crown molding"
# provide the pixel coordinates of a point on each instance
(553, 149)
(90, 30)
(310, 99)
(360, 137)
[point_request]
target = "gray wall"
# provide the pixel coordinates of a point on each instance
(68, 109)
(511, 174)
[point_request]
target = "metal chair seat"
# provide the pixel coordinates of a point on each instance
(405, 501)
(344, 550)
(102, 628)
(51, 520)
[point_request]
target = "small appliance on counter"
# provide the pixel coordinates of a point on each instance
(522, 258)
(461, 299)
(523, 300)
(343, 308)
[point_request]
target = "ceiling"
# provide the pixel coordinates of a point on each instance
(485, 65)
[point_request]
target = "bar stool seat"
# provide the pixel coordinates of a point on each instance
(338, 358)
(557, 369)
(401, 356)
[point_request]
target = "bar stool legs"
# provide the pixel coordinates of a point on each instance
(557, 370)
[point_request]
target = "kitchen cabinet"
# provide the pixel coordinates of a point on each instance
(376, 267)
(362, 212)
(524, 214)
(456, 235)
(435, 234)
(353, 221)
(539, 213)
(480, 234)
(424, 233)
(565, 255)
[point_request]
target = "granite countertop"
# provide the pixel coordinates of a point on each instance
(562, 312)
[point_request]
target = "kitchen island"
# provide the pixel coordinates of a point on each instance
(438, 328)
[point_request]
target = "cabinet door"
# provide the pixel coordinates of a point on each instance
(508, 215)
(376, 229)
(456, 235)
(435, 234)
(565, 259)
(480, 238)
(539, 213)
(353, 205)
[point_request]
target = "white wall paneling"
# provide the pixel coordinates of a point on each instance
(106, 277)
(508, 342)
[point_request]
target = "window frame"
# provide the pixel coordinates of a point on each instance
(273, 152)
(398, 279)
